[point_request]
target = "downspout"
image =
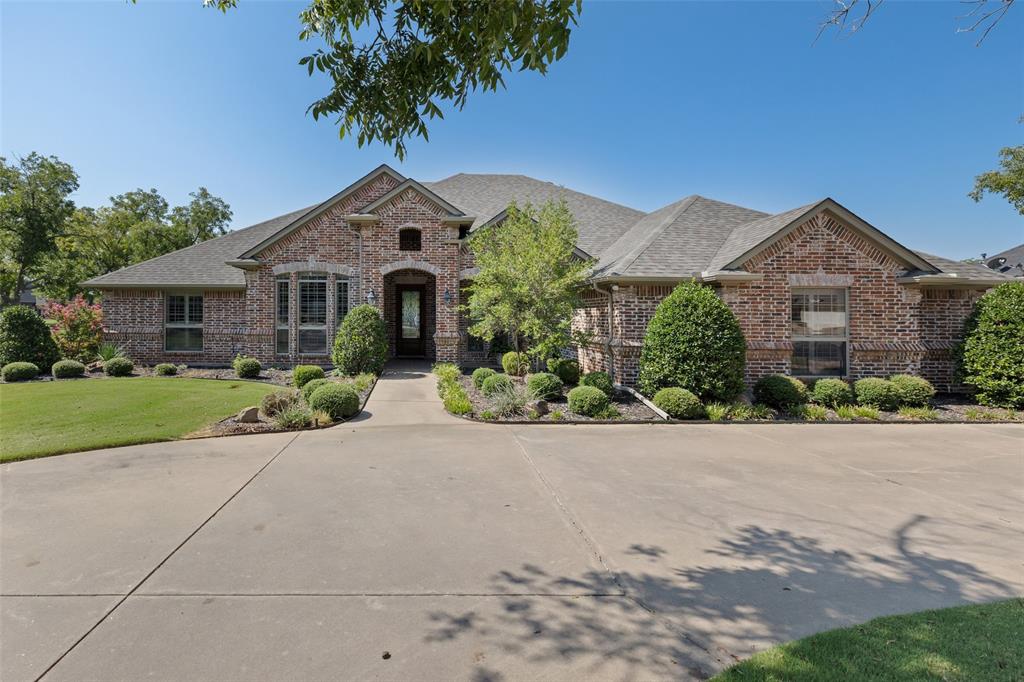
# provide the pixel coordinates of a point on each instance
(359, 238)
(611, 330)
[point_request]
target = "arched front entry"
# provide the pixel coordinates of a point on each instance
(410, 313)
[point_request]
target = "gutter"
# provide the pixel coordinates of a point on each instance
(611, 329)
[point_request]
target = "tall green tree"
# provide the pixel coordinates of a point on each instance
(1008, 181)
(34, 206)
(529, 279)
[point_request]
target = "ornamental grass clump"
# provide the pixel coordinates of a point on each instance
(543, 386)
(19, 371)
(780, 391)
(878, 393)
(67, 369)
(991, 357)
(340, 401)
(295, 416)
(588, 401)
(509, 399)
(678, 403)
(599, 380)
(361, 344)
(913, 391)
(273, 404)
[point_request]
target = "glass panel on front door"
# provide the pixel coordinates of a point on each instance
(410, 314)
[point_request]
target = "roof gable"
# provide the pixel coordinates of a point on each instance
(411, 184)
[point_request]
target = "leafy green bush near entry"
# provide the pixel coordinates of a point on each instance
(991, 357)
(361, 344)
(273, 404)
(303, 374)
(311, 386)
(495, 383)
(19, 371)
(832, 393)
(248, 368)
(24, 337)
(67, 369)
(679, 403)
(119, 367)
(480, 374)
(566, 369)
(453, 395)
(878, 393)
(780, 391)
(811, 413)
(599, 380)
(543, 386)
(694, 342)
(165, 369)
(340, 401)
(588, 401)
(913, 391)
(515, 364)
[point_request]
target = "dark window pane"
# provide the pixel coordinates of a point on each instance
(819, 358)
(175, 308)
(476, 344)
(342, 301)
(282, 341)
(801, 358)
(184, 338)
(312, 302)
(312, 341)
(195, 309)
(409, 240)
(282, 302)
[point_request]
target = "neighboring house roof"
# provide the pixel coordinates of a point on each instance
(1010, 262)
(954, 270)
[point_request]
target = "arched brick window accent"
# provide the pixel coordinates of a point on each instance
(409, 239)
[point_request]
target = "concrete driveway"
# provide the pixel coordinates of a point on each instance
(412, 545)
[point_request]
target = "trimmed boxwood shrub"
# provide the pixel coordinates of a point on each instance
(248, 368)
(273, 404)
(361, 344)
(780, 391)
(544, 386)
(495, 383)
(166, 369)
(913, 391)
(693, 341)
(19, 371)
(588, 401)
(24, 337)
(340, 401)
(832, 393)
(875, 392)
(566, 369)
(599, 380)
(480, 374)
(991, 357)
(515, 364)
(119, 367)
(679, 403)
(311, 386)
(303, 374)
(67, 369)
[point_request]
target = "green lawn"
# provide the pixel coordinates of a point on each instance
(48, 418)
(984, 642)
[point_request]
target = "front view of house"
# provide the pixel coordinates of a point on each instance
(818, 291)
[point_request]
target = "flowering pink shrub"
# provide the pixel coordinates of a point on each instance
(78, 330)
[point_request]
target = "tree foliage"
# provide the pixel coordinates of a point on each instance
(1008, 181)
(77, 328)
(991, 355)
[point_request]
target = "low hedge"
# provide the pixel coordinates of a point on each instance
(544, 386)
(118, 367)
(875, 392)
(19, 371)
(599, 380)
(303, 374)
(566, 369)
(832, 393)
(248, 368)
(340, 401)
(480, 374)
(67, 369)
(515, 364)
(913, 391)
(588, 401)
(165, 369)
(495, 383)
(311, 386)
(780, 391)
(679, 403)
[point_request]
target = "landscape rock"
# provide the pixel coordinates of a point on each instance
(248, 415)
(537, 407)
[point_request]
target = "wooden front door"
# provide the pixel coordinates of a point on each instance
(411, 325)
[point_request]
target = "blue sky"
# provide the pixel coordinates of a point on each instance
(654, 101)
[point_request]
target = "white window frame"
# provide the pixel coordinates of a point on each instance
(286, 323)
(803, 338)
(187, 323)
(311, 278)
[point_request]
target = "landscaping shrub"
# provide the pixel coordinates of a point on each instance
(480, 374)
(918, 413)
(165, 369)
(991, 356)
(588, 400)
(913, 391)
(858, 412)
(119, 367)
(694, 342)
(880, 393)
(361, 344)
(811, 413)
(338, 400)
(273, 404)
(67, 369)
(363, 381)
(77, 329)
(303, 374)
(515, 364)
(494, 383)
(295, 416)
(109, 351)
(24, 337)
(248, 368)
(509, 399)
(311, 386)
(566, 369)
(832, 393)
(717, 412)
(447, 371)
(599, 380)
(679, 403)
(544, 386)
(780, 391)
(19, 371)
(456, 401)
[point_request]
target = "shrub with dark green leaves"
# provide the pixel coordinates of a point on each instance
(990, 358)
(495, 383)
(832, 393)
(273, 404)
(248, 368)
(780, 391)
(543, 386)
(340, 401)
(599, 380)
(694, 342)
(566, 369)
(679, 403)
(913, 391)
(515, 364)
(303, 374)
(311, 386)
(480, 374)
(165, 369)
(361, 344)
(119, 367)
(874, 392)
(67, 369)
(588, 401)
(24, 337)
(19, 371)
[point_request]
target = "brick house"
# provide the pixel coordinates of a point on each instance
(818, 291)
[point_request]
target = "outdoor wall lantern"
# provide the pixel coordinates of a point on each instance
(447, 297)
(371, 297)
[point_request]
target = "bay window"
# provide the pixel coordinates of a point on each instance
(313, 313)
(183, 323)
(820, 332)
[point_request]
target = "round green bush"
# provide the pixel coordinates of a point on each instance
(693, 341)
(679, 403)
(913, 391)
(273, 404)
(165, 369)
(311, 386)
(495, 383)
(544, 386)
(119, 367)
(515, 364)
(340, 401)
(303, 374)
(19, 371)
(566, 369)
(832, 393)
(991, 357)
(588, 401)
(780, 391)
(67, 369)
(599, 380)
(361, 344)
(480, 374)
(248, 368)
(24, 337)
(875, 392)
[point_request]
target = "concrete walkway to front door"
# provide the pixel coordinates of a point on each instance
(406, 395)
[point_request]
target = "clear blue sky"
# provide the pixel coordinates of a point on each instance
(652, 103)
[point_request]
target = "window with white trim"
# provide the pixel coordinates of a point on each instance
(183, 323)
(341, 300)
(313, 313)
(283, 293)
(820, 332)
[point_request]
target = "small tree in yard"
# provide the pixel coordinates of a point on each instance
(361, 344)
(78, 328)
(991, 356)
(24, 337)
(529, 279)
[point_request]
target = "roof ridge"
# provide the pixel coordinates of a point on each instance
(763, 217)
(631, 256)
